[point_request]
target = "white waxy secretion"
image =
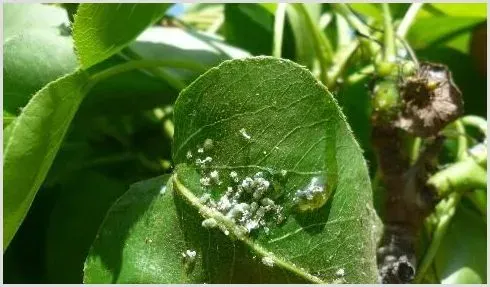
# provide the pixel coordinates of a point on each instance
(268, 261)
(246, 204)
(205, 181)
(208, 144)
(209, 223)
(245, 134)
(340, 272)
(189, 254)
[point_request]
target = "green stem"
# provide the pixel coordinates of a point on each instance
(352, 19)
(417, 142)
(340, 62)
(323, 48)
(145, 64)
(475, 121)
(448, 209)
(360, 75)
(479, 199)
(213, 29)
(344, 10)
(462, 140)
(407, 20)
(466, 174)
(156, 72)
(279, 29)
(459, 177)
(389, 35)
(343, 32)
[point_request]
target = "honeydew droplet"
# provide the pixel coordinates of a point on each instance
(313, 196)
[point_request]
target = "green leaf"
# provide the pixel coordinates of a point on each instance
(34, 140)
(426, 32)
(270, 115)
(21, 17)
(102, 30)
(374, 10)
(139, 90)
(37, 50)
(249, 21)
(461, 258)
(303, 37)
(140, 240)
(244, 22)
(478, 10)
(77, 214)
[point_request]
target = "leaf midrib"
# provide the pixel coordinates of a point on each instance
(207, 212)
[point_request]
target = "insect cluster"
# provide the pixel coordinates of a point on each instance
(246, 201)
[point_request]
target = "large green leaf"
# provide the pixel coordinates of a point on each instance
(140, 240)
(446, 24)
(477, 10)
(437, 30)
(77, 214)
(138, 90)
(147, 231)
(21, 17)
(303, 36)
(462, 256)
(270, 115)
(102, 30)
(36, 50)
(33, 142)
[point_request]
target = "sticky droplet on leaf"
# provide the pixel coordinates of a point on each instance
(314, 196)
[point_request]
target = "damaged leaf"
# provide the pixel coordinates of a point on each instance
(272, 126)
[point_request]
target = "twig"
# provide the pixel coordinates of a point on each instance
(447, 210)
(389, 36)
(407, 20)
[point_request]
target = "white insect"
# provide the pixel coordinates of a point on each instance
(209, 223)
(208, 144)
(340, 272)
(268, 261)
(214, 175)
(244, 134)
(189, 254)
(205, 181)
